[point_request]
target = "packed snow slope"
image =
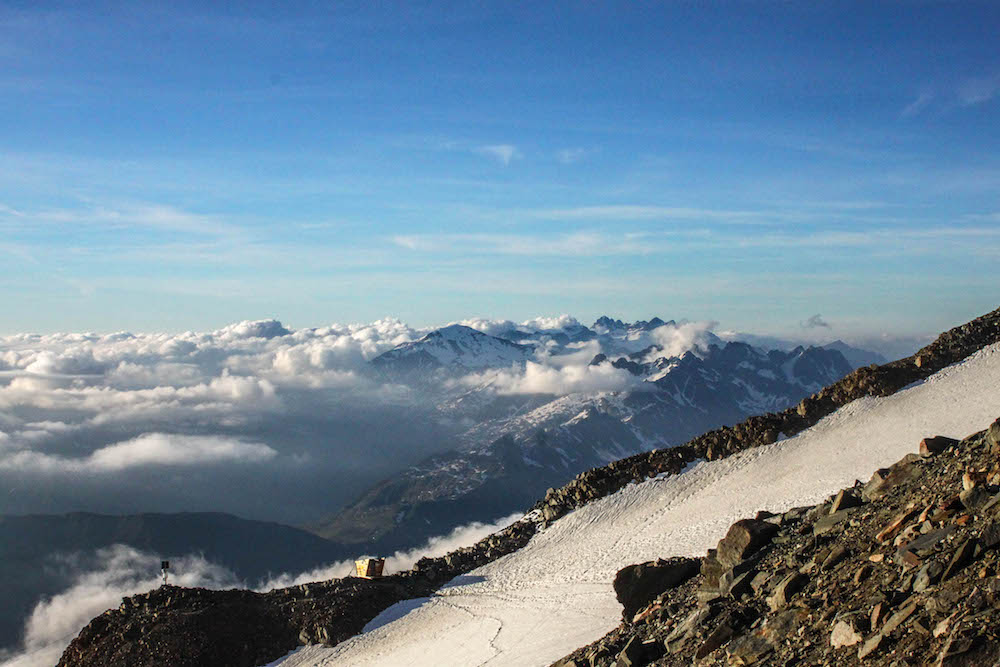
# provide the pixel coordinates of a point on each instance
(554, 595)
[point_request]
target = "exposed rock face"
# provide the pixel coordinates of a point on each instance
(188, 627)
(910, 576)
(637, 585)
(179, 626)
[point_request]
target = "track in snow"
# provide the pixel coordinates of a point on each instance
(554, 595)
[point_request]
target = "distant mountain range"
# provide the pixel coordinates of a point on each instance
(517, 447)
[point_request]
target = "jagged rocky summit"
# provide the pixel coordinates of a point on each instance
(901, 570)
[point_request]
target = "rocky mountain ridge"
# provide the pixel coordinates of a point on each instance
(903, 569)
(30, 569)
(117, 637)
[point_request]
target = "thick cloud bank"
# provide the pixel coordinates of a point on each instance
(536, 378)
(196, 421)
(120, 571)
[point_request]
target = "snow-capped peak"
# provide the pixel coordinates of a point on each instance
(457, 346)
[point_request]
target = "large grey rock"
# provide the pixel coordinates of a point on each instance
(974, 498)
(687, 628)
(638, 585)
(924, 545)
(743, 539)
(748, 650)
(884, 481)
(927, 576)
(962, 556)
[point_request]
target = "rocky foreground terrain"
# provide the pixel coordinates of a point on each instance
(193, 627)
(901, 570)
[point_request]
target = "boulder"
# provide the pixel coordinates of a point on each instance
(748, 650)
(993, 437)
(844, 500)
(932, 446)
(974, 497)
(685, 630)
(884, 481)
(638, 585)
(743, 539)
(828, 522)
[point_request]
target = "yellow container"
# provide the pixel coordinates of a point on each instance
(369, 568)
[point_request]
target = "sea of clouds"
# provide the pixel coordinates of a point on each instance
(166, 422)
(123, 423)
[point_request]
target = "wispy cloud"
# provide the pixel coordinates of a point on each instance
(644, 212)
(580, 244)
(891, 240)
(117, 216)
(571, 155)
(505, 153)
(967, 92)
(918, 104)
(976, 90)
(146, 450)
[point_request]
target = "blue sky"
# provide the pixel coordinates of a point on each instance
(182, 167)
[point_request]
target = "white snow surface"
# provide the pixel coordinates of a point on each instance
(554, 595)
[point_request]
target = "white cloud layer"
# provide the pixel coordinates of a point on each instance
(78, 407)
(674, 340)
(148, 449)
(538, 378)
(502, 152)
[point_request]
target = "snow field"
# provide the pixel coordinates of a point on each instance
(554, 595)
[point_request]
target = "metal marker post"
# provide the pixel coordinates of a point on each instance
(164, 566)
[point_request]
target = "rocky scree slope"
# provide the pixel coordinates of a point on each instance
(902, 570)
(147, 628)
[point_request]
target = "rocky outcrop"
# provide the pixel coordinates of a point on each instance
(188, 627)
(637, 585)
(910, 575)
(949, 348)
